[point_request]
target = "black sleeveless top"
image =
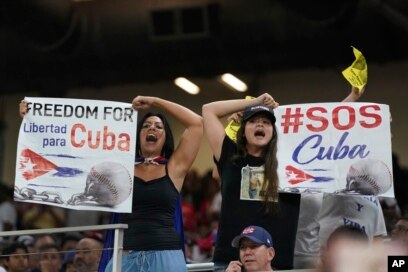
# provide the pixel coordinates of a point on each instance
(151, 223)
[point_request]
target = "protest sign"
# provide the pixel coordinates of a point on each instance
(335, 148)
(77, 154)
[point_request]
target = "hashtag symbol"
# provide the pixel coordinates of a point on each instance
(292, 120)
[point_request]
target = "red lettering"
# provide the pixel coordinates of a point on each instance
(351, 119)
(124, 142)
(93, 138)
(324, 122)
(73, 133)
(108, 136)
(377, 118)
(97, 139)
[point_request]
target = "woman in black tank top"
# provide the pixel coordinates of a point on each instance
(151, 241)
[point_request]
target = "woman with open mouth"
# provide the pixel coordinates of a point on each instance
(249, 181)
(151, 242)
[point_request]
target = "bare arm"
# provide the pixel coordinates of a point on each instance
(212, 113)
(354, 95)
(189, 144)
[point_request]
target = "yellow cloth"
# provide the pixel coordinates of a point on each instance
(232, 127)
(356, 74)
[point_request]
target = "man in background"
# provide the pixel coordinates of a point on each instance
(15, 258)
(88, 254)
(255, 251)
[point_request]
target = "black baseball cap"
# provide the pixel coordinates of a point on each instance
(260, 108)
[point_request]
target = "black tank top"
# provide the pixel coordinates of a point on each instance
(151, 223)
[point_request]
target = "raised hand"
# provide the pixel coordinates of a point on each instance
(142, 102)
(267, 100)
(22, 108)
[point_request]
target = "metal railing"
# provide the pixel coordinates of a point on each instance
(117, 242)
(201, 267)
(196, 267)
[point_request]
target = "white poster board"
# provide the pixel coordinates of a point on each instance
(335, 148)
(77, 154)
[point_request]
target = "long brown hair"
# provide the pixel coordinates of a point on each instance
(271, 180)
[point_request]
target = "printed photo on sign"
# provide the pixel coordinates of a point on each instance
(252, 183)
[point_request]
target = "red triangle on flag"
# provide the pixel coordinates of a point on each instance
(295, 175)
(34, 165)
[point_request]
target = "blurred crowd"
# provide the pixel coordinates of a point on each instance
(201, 204)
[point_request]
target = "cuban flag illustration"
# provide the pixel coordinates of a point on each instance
(33, 165)
(296, 176)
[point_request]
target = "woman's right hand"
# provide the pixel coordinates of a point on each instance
(142, 102)
(267, 100)
(23, 108)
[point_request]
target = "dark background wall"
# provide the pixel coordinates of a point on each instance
(110, 49)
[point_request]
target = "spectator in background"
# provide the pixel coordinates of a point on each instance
(70, 241)
(210, 188)
(50, 258)
(68, 262)
(15, 259)
(28, 241)
(343, 250)
(88, 254)
(256, 251)
(400, 175)
(192, 191)
(39, 241)
(8, 212)
(400, 230)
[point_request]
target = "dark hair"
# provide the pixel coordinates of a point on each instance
(349, 232)
(71, 236)
(48, 246)
(168, 146)
(271, 181)
(40, 236)
(11, 249)
(43, 249)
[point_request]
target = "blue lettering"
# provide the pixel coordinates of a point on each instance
(34, 128)
(312, 145)
(348, 222)
(359, 206)
(372, 199)
(53, 142)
